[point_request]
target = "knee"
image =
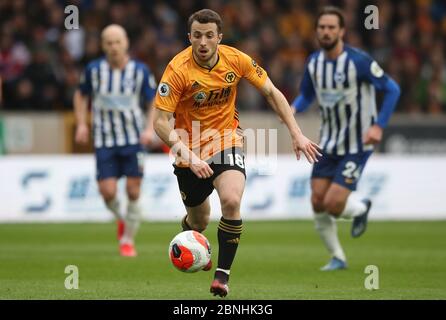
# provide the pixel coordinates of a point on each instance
(334, 206)
(108, 193)
(133, 194)
(317, 201)
(230, 206)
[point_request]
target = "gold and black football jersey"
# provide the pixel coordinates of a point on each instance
(203, 100)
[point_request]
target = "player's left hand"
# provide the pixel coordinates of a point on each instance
(310, 149)
(373, 135)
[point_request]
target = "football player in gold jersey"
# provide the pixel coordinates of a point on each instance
(198, 89)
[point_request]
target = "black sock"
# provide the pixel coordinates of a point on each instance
(229, 232)
(222, 276)
(184, 224)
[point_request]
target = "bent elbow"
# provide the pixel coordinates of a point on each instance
(398, 90)
(159, 123)
(394, 88)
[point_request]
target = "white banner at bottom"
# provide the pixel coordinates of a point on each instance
(63, 188)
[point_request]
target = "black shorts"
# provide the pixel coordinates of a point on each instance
(194, 190)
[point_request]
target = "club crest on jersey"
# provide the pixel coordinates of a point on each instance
(163, 89)
(200, 97)
(339, 77)
(230, 77)
(254, 63)
(128, 83)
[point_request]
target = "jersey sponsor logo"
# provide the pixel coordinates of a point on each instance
(212, 98)
(376, 70)
(163, 89)
(329, 97)
(200, 97)
(230, 77)
(114, 101)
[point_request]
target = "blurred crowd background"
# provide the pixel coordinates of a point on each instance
(41, 61)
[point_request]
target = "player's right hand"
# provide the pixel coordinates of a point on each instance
(201, 169)
(81, 136)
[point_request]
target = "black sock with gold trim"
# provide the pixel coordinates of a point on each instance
(229, 232)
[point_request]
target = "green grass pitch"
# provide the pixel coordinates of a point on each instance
(275, 260)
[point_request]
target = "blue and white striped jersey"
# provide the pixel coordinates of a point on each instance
(345, 91)
(116, 100)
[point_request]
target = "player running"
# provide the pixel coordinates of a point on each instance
(116, 83)
(343, 79)
(198, 89)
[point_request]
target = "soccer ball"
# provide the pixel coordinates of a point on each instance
(190, 251)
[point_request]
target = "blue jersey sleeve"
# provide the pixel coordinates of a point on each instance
(392, 93)
(148, 89)
(371, 72)
(307, 94)
(85, 82)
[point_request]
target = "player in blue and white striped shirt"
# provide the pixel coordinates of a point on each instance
(343, 79)
(116, 83)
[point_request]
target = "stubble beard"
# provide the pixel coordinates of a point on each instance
(329, 46)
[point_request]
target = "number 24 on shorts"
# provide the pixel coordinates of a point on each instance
(352, 170)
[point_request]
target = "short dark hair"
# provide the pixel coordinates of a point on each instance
(206, 16)
(334, 11)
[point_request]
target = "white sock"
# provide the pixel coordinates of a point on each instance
(115, 207)
(326, 227)
(132, 221)
(353, 208)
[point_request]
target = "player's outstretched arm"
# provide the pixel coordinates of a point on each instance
(280, 105)
(147, 135)
(80, 112)
(161, 122)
